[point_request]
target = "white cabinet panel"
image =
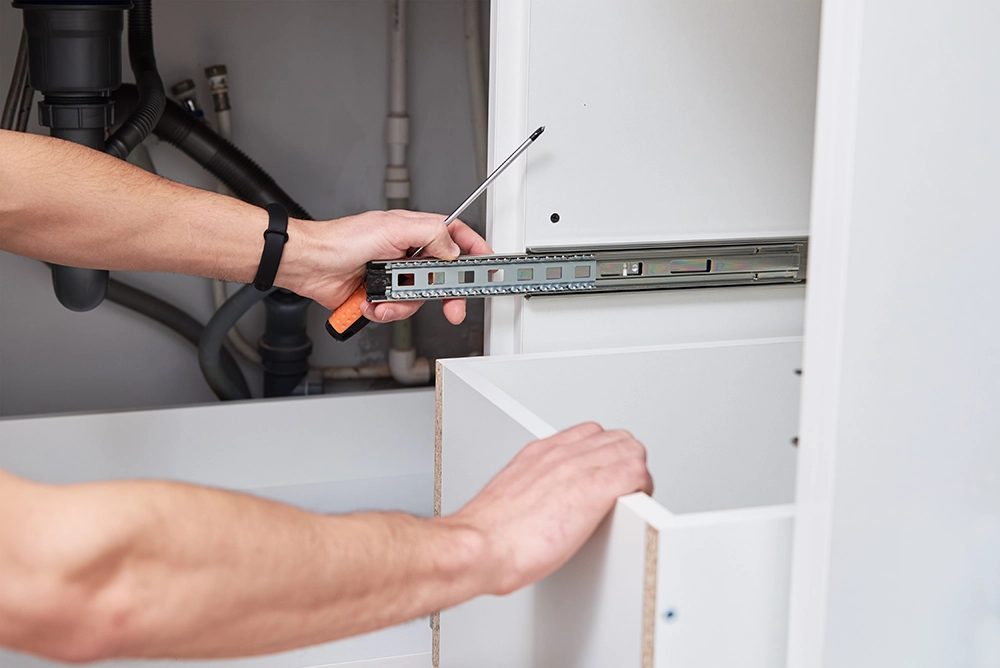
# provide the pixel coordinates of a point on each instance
(664, 578)
(722, 588)
(240, 445)
(897, 560)
(582, 322)
(667, 121)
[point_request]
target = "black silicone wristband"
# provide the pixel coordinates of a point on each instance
(275, 237)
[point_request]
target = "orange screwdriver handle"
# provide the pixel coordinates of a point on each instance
(347, 320)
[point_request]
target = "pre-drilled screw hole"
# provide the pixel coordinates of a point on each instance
(554, 218)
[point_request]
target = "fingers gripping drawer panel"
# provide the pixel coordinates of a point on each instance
(697, 574)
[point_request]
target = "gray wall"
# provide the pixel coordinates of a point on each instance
(309, 91)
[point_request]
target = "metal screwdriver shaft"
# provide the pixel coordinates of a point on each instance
(489, 179)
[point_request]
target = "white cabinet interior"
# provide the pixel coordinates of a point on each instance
(670, 121)
(664, 578)
(622, 320)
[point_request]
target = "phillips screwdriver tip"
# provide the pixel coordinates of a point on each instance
(536, 133)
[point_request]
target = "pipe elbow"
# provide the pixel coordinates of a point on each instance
(408, 369)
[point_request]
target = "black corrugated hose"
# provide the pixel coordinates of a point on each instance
(152, 98)
(211, 348)
(244, 177)
(181, 323)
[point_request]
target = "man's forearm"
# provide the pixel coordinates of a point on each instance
(70, 205)
(185, 571)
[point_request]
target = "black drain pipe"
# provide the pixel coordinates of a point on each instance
(285, 346)
(74, 58)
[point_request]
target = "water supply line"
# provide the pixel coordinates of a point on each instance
(404, 365)
(186, 94)
(218, 82)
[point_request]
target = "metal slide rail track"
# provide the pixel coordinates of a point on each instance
(696, 265)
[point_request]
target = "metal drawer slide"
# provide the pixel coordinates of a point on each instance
(743, 262)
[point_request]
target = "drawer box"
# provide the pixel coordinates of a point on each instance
(697, 575)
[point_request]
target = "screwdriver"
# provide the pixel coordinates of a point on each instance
(347, 320)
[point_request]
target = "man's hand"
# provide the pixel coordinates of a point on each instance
(538, 511)
(326, 260)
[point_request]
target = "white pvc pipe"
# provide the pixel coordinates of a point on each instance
(397, 58)
(404, 365)
(356, 372)
(397, 127)
(408, 369)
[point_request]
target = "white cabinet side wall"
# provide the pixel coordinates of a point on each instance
(666, 122)
(486, 631)
(901, 404)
